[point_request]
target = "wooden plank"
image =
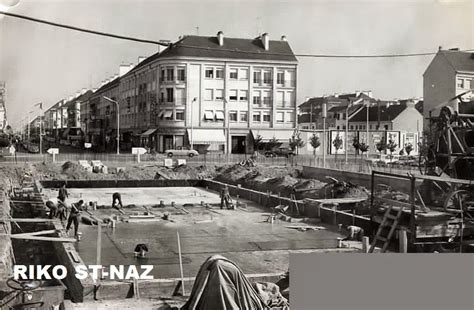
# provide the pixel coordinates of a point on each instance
(37, 233)
(55, 239)
(28, 220)
(339, 200)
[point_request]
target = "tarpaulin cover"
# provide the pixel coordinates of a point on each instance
(221, 285)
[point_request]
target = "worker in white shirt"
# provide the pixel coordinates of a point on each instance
(354, 233)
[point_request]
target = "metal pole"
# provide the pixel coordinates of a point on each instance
(192, 124)
(324, 142)
(367, 129)
(41, 129)
(347, 130)
(118, 128)
(180, 263)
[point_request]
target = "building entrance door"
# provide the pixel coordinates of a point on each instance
(238, 145)
(168, 142)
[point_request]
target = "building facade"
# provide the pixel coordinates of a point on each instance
(211, 93)
(3, 110)
(450, 73)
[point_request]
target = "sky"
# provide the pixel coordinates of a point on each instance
(40, 63)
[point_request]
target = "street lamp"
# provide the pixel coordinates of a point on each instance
(192, 124)
(118, 122)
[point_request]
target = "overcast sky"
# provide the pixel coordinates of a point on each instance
(41, 63)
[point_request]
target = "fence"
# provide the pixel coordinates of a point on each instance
(331, 162)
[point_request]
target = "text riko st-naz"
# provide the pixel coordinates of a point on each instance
(81, 272)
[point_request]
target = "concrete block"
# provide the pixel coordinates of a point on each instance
(180, 162)
(168, 162)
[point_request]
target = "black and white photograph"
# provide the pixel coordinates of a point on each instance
(191, 154)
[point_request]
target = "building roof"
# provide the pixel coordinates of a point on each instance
(233, 48)
(460, 61)
(110, 84)
(386, 113)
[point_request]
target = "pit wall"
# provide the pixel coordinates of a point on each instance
(117, 183)
(359, 178)
(6, 259)
(308, 207)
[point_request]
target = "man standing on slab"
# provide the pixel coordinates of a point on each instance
(74, 216)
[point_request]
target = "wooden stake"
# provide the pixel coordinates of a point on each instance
(180, 262)
(99, 250)
(403, 241)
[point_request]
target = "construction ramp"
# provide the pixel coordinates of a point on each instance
(221, 284)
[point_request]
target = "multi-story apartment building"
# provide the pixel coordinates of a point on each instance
(450, 73)
(213, 93)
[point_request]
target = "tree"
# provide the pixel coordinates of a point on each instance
(272, 143)
(408, 148)
(362, 148)
(315, 143)
(296, 142)
(257, 142)
(337, 143)
(356, 145)
(381, 146)
(391, 147)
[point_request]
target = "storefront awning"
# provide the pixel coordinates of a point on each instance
(283, 136)
(168, 113)
(219, 115)
(147, 133)
(207, 136)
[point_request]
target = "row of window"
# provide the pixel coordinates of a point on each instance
(260, 76)
(172, 74)
(242, 116)
(464, 83)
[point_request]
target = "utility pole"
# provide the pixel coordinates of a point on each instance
(118, 122)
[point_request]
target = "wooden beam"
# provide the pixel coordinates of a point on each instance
(27, 220)
(36, 233)
(56, 239)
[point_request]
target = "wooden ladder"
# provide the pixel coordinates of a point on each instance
(389, 220)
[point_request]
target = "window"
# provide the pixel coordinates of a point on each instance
(233, 74)
(386, 127)
(233, 116)
(280, 78)
(162, 75)
(244, 74)
(180, 96)
(290, 117)
(257, 77)
(219, 115)
(279, 98)
(180, 115)
(162, 97)
(170, 74)
(233, 95)
(290, 99)
(209, 115)
(219, 73)
(209, 73)
(243, 95)
(352, 127)
(169, 94)
(219, 94)
(208, 94)
(266, 98)
(280, 117)
(468, 84)
(168, 115)
(266, 117)
(267, 77)
(181, 74)
(243, 116)
(291, 78)
(257, 100)
(256, 117)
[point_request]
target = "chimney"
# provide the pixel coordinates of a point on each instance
(440, 48)
(141, 58)
(454, 49)
(283, 38)
(265, 41)
(123, 69)
(220, 38)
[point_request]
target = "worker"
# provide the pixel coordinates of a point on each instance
(53, 208)
(117, 201)
(74, 216)
(225, 198)
(355, 233)
(63, 194)
(140, 250)
(62, 210)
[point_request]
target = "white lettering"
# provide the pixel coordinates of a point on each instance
(132, 273)
(57, 270)
(42, 271)
(20, 270)
(145, 275)
(116, 272)
(95, 271)
(81, 272)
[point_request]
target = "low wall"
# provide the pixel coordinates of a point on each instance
(359, 178)
(162, 287)
(117, 183)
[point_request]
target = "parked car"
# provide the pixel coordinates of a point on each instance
(281, 152)
(33, 148)
(183, 152)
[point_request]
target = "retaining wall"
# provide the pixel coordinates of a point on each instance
(360, 178)
(117, 183)
(6, 261)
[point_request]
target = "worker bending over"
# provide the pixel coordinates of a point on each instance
(74, 216)
(355, 233)
(117, 202)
